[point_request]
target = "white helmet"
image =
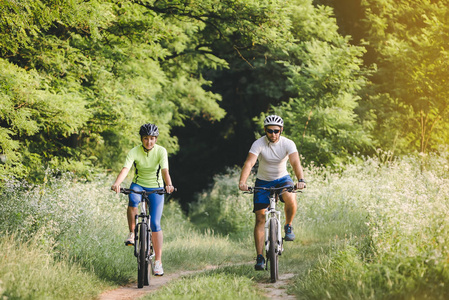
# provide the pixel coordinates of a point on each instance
(273, 120)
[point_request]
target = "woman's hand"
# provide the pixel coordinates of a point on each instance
(116, 188)
(169, 189)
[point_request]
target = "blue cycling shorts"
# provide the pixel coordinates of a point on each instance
(262, 198)
(156, 205)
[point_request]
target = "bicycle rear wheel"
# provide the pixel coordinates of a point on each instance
(272, 250)
(142, 263)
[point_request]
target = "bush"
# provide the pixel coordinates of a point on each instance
(224, 208)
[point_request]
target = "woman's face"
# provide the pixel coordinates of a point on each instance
(148, 141)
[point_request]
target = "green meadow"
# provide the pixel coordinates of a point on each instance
(375, 229)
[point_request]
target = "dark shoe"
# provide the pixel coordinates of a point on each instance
(260, 263)
(289, 235)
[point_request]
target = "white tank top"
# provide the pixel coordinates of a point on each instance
(272, 157)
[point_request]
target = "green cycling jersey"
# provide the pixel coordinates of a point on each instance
(148, 165)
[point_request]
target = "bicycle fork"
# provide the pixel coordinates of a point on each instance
(277, 216)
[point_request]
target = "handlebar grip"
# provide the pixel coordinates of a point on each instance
(125, 191)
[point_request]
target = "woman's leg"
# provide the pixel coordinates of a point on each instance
(156, 208)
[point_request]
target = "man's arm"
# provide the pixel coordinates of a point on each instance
(246, 170)
(297, 168)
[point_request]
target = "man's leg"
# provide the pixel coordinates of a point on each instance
(259, 238)
(290, 207)
(259, 231)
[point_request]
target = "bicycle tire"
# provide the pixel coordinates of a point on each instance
(142, 264)
(272, 250)
(148, 266)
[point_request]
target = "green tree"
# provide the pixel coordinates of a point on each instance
(112, 66)
(409, 39)
(325, 75)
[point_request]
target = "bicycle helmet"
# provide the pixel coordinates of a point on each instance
(273, 120)
(149, 129)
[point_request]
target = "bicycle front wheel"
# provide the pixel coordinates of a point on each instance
(272, 250)
(142, 263)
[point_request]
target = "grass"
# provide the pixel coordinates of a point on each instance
(79, 228)
(209, 285)
(394, 218)
(377, 229)
(29, 271)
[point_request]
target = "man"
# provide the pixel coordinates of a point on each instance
(151, 162)
(272, 150)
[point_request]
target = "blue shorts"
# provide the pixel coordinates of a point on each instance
(156, 205)
(262, 198)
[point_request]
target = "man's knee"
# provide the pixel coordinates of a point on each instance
(289, 199)
(260, 218)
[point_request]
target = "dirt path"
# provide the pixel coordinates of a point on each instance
(278, 289)
(272, 290)
(131, 291)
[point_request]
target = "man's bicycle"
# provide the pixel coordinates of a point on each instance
(143, 246)
(273, 238)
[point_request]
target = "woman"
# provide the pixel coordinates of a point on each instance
(151, 162)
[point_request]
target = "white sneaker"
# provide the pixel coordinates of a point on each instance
(158, 271)
(129, 241)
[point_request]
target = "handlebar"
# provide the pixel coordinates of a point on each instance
(288, 188)
(160, 191)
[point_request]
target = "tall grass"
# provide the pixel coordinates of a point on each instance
(394, 215)
(28, 270)
(79, 228)
(85, 222)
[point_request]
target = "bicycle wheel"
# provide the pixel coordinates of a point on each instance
(148, 266)
(272, 250)
(142, 264)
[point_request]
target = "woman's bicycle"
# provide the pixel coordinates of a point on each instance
(143, 246)
(273, 238)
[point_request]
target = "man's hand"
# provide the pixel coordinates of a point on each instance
(301, 184)
(243, 187)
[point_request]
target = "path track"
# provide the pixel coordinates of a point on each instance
(272, 290)
(131, 291)
(278, 289)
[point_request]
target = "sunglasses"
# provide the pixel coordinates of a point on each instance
(273, 131)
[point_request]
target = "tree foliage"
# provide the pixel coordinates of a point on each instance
(409, 39)
(83, 76)
(325, 74)
(80, 77)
